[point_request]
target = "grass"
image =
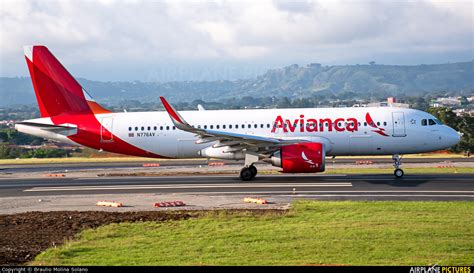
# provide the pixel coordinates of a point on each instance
(313, 232)
(141, 159)
(76, 160)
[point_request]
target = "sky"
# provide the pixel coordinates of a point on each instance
(225, 40)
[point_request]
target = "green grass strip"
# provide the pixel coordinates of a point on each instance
(312, 233)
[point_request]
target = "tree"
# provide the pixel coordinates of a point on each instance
(283, 103)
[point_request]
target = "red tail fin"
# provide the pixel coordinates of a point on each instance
(56, 90)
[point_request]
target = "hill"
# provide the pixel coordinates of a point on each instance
(290, 81)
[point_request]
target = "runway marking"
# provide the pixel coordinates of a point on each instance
(385, 191)
(380, 195)
(188, 186)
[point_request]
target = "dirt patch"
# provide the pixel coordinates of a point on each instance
(25, 235)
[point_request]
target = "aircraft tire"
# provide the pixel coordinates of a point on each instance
(246, 174)
(253, 169)
(398, 173)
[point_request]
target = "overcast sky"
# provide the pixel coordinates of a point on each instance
(190, 40)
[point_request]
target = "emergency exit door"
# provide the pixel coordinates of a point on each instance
(398, 119)
(106, 130)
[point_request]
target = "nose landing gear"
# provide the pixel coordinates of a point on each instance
(396, 163)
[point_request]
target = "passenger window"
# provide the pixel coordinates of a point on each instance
(167, 127)
(161, 128)
(268, 125)
(243, 126)
(154, 128)
(129, 128)
(255, 126)
(136, 128)
(212, 127)
(378, 123)
(149, 128)
(230, 126)
(205, 126)
(424, 122)
(249, 126)
(365, 123)
(384, 123)
(143, 128)
(199, 126)
(217, 126)
(236, 126)
(223, 126)
(431, 122)
(174, 128)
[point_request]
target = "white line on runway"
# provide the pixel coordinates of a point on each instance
(181, 186)
(379, 195)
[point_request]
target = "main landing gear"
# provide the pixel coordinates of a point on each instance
(248, 173)
(396, 163)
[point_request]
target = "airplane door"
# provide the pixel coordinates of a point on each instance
(398, 119)
(106, 129)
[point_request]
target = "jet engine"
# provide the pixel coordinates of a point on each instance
(300, 158)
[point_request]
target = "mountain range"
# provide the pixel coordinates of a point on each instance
(291, 81)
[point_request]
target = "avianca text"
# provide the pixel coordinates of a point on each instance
(315, 125)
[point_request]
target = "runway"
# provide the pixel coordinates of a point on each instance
(61, 167)
(325, 187)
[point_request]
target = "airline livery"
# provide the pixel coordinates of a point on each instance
(296, 140)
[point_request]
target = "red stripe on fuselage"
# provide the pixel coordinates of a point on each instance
(88, 134)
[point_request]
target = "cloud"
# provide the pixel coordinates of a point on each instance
(233, 32)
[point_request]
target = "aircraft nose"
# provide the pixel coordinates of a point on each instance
(453, 136)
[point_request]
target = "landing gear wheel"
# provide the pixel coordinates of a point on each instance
(246, 174)
(253, 169)
(398, 173)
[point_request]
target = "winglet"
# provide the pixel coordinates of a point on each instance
(176, 118)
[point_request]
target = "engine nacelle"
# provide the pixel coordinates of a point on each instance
(300, 158)
(221, 153)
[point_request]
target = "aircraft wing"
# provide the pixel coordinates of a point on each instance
(234, 140)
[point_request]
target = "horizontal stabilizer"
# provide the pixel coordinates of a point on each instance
(63, 129)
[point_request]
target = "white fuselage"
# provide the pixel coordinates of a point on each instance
(402, 129)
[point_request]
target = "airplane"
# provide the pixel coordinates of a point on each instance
(296, 140)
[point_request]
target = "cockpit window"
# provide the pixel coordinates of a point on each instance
(430, 122)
